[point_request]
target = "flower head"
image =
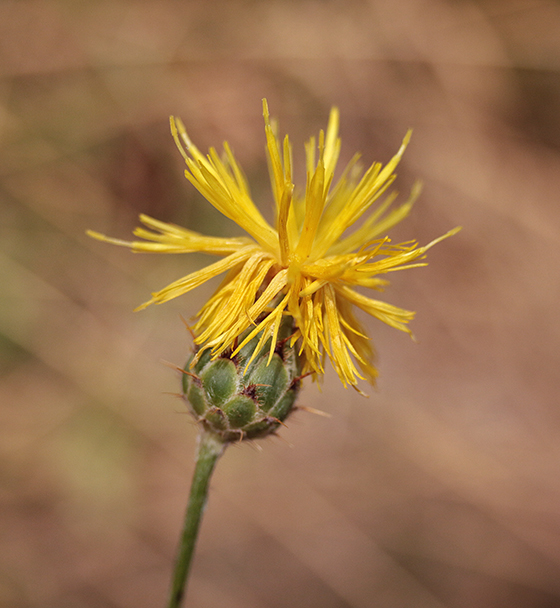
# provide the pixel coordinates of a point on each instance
(308, 266)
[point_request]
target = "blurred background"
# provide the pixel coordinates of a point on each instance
(440, 490)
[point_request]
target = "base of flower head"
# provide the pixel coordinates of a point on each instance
(236, 396)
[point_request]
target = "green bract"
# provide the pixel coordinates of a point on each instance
(240, 400)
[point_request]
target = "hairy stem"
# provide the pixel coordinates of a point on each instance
(210, 447)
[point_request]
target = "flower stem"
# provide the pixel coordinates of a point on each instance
(210, 448)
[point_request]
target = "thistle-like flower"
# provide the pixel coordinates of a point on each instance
(307, 267)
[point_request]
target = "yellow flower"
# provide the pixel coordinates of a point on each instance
(307, 266)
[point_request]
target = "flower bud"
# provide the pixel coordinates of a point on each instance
(238, 400)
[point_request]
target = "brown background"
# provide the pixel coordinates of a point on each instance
(441, 490)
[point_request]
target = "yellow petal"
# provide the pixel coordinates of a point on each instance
(391, 315)
(199, 277)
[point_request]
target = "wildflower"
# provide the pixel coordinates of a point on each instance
(307, 267)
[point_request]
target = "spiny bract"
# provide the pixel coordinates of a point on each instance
(239, 398)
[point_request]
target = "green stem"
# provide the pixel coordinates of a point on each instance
(210, 447)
